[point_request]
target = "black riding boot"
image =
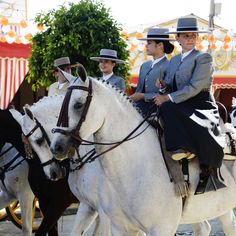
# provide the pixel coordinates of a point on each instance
(209, 180)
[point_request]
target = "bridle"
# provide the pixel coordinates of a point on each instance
(63, 117)
(28, 148)
(75, 133)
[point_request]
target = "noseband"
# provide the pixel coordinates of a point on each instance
(28, 148)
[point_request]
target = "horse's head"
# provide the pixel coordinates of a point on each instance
(79, 105)
(35, 133)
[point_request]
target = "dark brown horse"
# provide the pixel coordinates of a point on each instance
(45, 190)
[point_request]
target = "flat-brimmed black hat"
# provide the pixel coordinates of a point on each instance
(107, 54)
(160, 35)
(187, 24)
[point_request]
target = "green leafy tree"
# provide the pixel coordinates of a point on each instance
(79, 32)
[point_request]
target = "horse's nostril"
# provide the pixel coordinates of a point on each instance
(58, 148)
(53, 175)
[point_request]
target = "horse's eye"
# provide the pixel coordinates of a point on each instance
(78, 105)
(39, 141)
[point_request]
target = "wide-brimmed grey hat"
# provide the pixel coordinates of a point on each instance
(107, 54)
(187, 25)
(62, 61)
(158, 34)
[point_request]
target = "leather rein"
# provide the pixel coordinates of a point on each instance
(75, 133)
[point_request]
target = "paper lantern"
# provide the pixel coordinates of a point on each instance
(211, 38)
(199, 39)
(3, 39)
(226, 46)
(4, 21)
(200, 47)
(133, 46)
(11, 34)
(227, 39)
(138, 35)
(213, 47)
(28, 36)
(18, 40)
(23, 24)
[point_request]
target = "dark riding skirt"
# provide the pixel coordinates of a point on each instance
(193, 125)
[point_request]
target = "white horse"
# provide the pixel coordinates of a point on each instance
(84, 183)
(233, 112)
(15, 185)
(139, 195)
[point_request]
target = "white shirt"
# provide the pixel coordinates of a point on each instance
(185, 54)
(156, 61)
(106, 77)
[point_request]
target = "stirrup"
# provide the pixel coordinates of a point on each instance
(208, 184)
(181, 154)
(230, 156)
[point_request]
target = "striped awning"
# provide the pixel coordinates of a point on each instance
(13, 69)
(12, 74)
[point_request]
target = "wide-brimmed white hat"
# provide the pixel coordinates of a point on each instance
(187, 24)
(107, 54)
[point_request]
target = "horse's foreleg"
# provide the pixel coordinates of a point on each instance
(229, 223)
(202, 228)
(84, 218)
(26, 201)
(5, 199)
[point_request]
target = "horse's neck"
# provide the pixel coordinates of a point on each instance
(121, 119)
(131, 155)
(9, 155)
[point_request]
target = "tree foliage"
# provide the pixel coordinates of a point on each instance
(79, 32)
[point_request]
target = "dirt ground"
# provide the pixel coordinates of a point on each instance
(66, 222)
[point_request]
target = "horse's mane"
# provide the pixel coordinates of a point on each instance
(122, 97)
(41, 107)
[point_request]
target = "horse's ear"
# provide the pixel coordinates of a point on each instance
(28, 112)
(16, 115)
(81, 72)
